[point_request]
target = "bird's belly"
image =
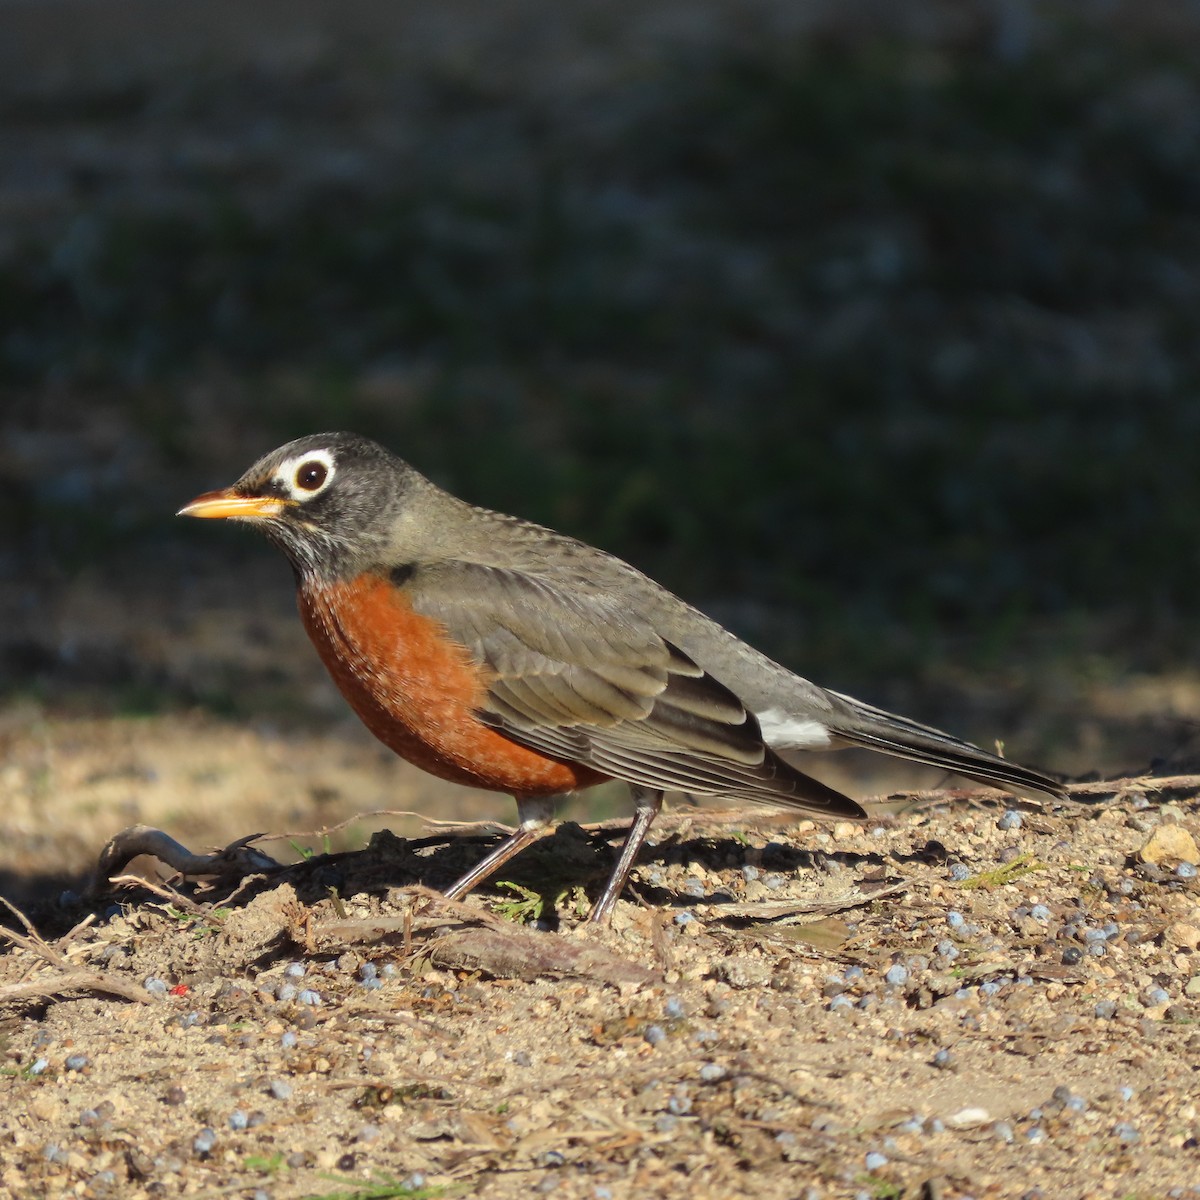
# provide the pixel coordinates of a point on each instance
(418, 691)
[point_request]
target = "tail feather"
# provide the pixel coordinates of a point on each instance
(876, 729)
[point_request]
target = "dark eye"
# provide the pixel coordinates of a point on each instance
(311, 475)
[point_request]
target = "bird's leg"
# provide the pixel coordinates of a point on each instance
(647, 804)
(534, 814)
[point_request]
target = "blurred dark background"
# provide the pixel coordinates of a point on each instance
(868, 327)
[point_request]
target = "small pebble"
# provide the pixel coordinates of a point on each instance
(1106, 1009)
(712, 1072)
(238, 1119)
(959, 872)
(294, 970)
(943, 1060)
(695, 888)
(205, 1140)
(1040, 913)
(1004, 1131)
(946, 948)
(841, 1003)
(968, 1118)
(989, 987)
(552, 1158)
(280, 1089)
(955, 919)
(896, 975)
(288, 1039)
(666, 1123)
(774, 882)
(155, 986)
(684, 918)
(1071, 956)
(414, 1182)
(680, 1104)
(1126, 1133)
(310, 997)
(373, 984)
(389, 970)
(76, 1062)
(368, 1133)
(853, 974)
(1155, 996)
(875, 1161)
(286, 992)
(750, 874)
(1126, 1093)
(1186, 870)
(1010, 820)
(368, 971)
(673, 1008)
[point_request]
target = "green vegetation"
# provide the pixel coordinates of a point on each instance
(896, 339)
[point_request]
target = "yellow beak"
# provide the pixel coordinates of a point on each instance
(227, 503)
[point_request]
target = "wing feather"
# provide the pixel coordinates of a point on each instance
(574, 674)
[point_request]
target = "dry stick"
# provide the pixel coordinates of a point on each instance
(34, 942)
(166, 893)
(429, 822)
(238, 858)
(73, 981)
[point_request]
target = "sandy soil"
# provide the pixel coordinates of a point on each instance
(779, 1011)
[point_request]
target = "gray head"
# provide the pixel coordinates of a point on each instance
(330, 501)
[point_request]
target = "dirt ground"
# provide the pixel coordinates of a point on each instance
(970, 996)
(964, 999)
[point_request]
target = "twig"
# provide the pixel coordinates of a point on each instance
(428, 822)
(73, 981)
(237, 859)
(34, 942)
(162, 890)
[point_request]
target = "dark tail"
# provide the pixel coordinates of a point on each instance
(876, 729)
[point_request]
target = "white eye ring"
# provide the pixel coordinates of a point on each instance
(307, 475)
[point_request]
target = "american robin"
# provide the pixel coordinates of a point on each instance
(497, 653)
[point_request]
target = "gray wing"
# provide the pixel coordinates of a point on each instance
(575, 674)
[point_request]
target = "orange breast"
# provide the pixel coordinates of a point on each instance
(417, 690)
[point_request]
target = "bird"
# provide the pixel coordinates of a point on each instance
(500, 654)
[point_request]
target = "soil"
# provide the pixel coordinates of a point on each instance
(960, 999)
